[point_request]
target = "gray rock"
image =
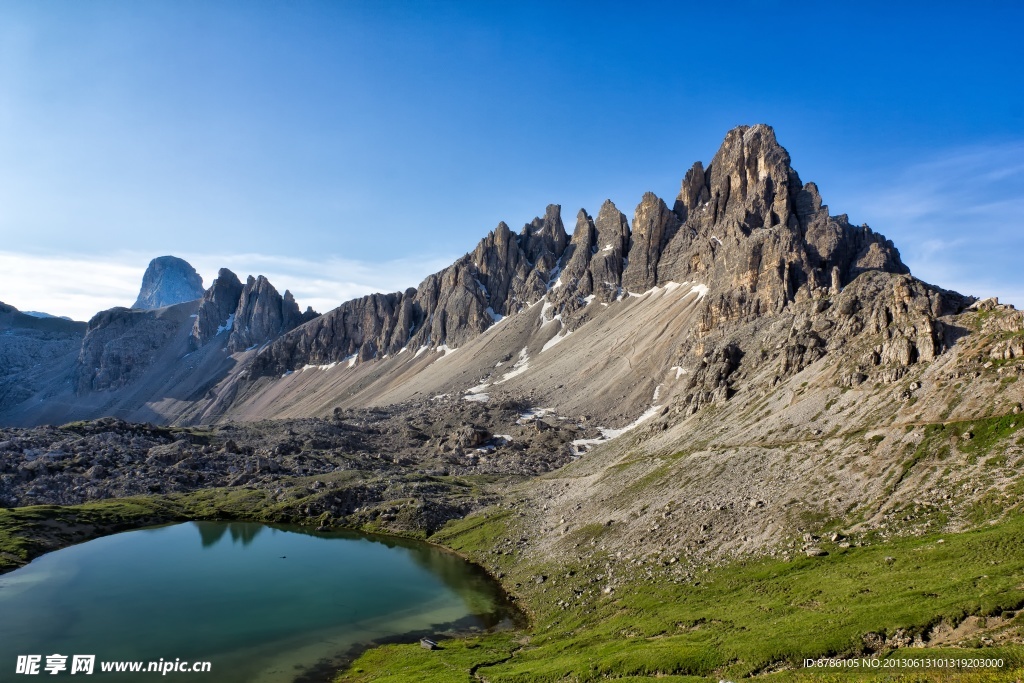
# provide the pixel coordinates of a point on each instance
(168, 280)
(217, 311)
(262, 315)
(611, 248)
(119, 346)
(653, 226)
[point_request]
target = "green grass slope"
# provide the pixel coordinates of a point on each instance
(741, 619)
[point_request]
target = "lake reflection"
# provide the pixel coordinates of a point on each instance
(261, 603)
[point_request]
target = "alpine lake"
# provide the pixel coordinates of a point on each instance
(261, 603)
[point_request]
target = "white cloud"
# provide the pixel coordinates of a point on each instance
(81, 286)
(957, 218)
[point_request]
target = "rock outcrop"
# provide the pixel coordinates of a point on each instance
(653, 226)
(504, 274)
(262, 314)
(168, 280)
(30, 349)
(217, 310)
(119, 347)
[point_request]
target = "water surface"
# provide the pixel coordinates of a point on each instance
(263, 604)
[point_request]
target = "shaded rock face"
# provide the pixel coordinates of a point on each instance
(168, 280)
(262, 314)
(118, 347)
(745, 227)
(653, 226)
(505, 273)
(217, 311)
(876, 329)
(252, 314)
(122, 344)
(30, 347)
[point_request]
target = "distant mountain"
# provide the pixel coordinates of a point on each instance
(124, 359)
(168, 280)
(40, 314)
(36, 353)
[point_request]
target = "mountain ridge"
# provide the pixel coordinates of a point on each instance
(744, 239)
(511, 273)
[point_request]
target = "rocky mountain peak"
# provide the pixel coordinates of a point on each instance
(744, 231)
(263, 314)
(168, 280)
(217, 311)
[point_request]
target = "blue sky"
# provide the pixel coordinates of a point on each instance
(346, 147)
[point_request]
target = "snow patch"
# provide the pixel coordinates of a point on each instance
(554, 340)
(679, 371)
(533, 414)
(665, 289)
(544, 319)
(582, 445)
(498, 320)
(308, 366)
(445, 349)
(700, 290)
(521, 366)
(422, 349)
(228, 324)
(351, 359)
(716, 239)
(478, 388)
(608, 247)
(558, 283)
(589, 299)
(657, 393)
(477, 398)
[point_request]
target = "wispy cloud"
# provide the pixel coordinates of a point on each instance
(957, 218)
(80, 286)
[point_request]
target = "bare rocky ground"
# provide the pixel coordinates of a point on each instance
(402, 452)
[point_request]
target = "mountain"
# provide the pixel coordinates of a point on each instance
(40, 314)
(167, 281)
(147, 364)
(673, 309)
(35, 352)
(717, 438)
